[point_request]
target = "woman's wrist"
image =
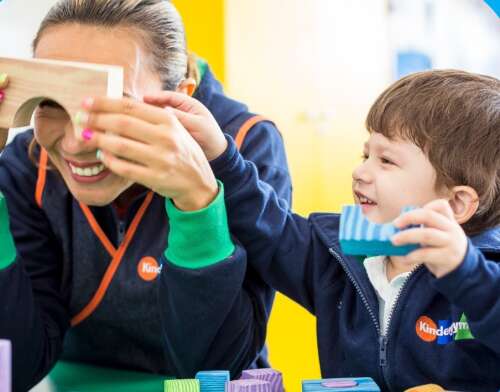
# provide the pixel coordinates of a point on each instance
(197, 199)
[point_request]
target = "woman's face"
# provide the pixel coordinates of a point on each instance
(86, 178)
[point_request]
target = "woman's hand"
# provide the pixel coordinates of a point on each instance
(4, 81)
(196, 118)
(148, 145)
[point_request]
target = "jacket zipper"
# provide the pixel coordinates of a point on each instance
(385, 338)
(382, 339)
(121, 231)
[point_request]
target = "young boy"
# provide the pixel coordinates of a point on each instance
(430, 316)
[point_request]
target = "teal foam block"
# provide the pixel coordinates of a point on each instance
(357, 384)
(359, 236)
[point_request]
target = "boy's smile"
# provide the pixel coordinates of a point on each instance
(394, 173)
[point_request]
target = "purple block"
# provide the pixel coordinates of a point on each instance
(248, 385)
(274, 377)
(5, 365)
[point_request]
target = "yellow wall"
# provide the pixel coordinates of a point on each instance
(204, 22)
(314, 70)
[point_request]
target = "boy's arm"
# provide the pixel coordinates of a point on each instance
(475, 287)
(264, 146)
(209, 318)
(280, 245)
(461, 272)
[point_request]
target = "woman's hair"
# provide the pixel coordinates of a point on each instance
(157, 23)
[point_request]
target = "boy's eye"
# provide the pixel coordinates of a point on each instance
(386, 161)
(364, 157)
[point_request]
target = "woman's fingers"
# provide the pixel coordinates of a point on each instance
(126, 169)
(127, 106)
(4, 80)
(128, 126)
(124, 148)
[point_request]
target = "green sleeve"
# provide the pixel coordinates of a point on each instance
(200, 238)
(7, 248)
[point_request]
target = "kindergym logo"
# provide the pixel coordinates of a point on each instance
(444, 332)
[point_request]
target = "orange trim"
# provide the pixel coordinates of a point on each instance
(113, 266)
(97, 230)
(247, 125)
(42, 174)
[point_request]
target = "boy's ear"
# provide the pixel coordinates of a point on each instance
(464, 202)
(187, 86)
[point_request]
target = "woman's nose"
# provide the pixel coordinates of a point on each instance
(71, 144)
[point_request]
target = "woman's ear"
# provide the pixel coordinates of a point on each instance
(187, 86)
(464, 202)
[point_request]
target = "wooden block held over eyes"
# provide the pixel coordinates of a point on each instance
(32, 81)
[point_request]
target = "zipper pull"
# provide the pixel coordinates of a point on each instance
(383, 350)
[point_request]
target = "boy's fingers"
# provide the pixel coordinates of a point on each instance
(176, 100)
(423, 216)
(423, 255)
(423, 236)
(442, 206)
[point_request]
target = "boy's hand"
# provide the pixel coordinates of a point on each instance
(443, 240)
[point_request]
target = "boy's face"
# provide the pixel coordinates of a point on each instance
(394, 173)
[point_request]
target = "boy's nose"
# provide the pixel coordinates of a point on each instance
(362, 173)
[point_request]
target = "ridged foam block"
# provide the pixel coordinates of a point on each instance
(274, 377)
(5, 366)
(360, 236)
(213, 380)
(182, 385)
(248, 385)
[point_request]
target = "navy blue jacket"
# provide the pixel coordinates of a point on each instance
(302, 259)
(139, 324)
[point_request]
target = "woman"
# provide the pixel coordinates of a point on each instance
(91, 238)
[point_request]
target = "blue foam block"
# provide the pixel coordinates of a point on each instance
(362, 384)
(213, 380)
(359, 236)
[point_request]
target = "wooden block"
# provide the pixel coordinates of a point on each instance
(33, 80)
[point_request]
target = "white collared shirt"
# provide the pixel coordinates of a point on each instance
(387, 292)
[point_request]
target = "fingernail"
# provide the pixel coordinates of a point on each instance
(87, 134)
(3, 78)
(81, 118)
(2, 96)
(98, 154)
(87, 103)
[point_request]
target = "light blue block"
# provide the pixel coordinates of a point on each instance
(360, 236)
(363, 384)
(213, 380)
